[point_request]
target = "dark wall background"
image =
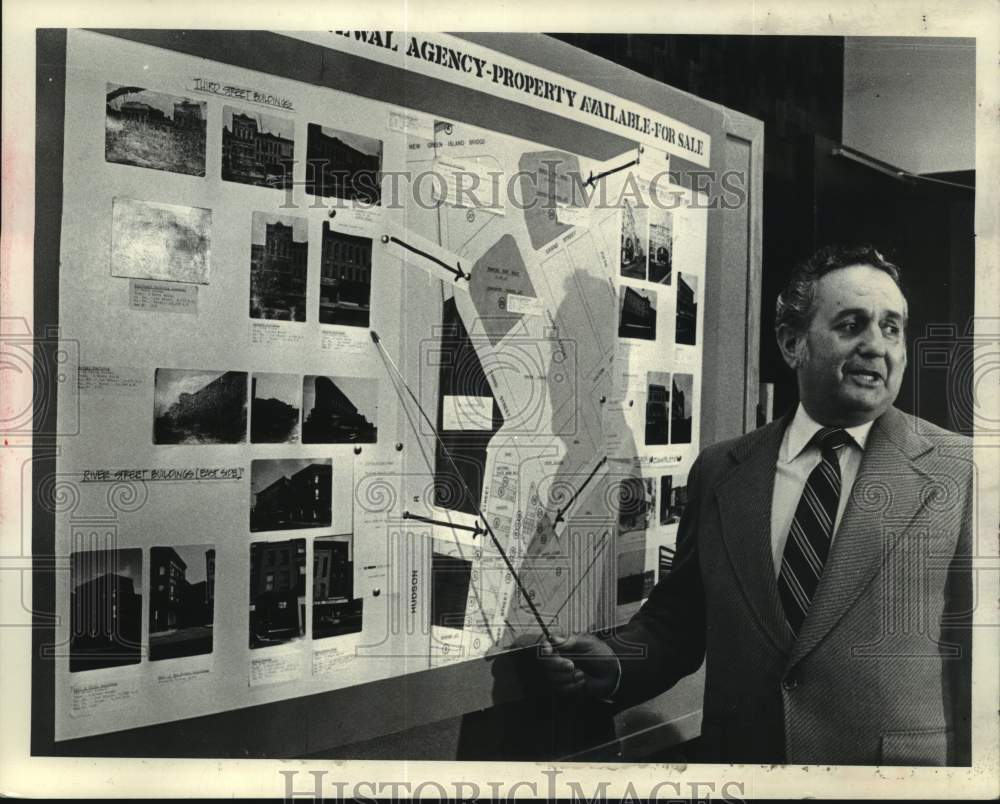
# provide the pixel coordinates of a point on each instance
(812, 197)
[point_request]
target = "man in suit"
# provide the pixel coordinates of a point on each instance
(819, 569)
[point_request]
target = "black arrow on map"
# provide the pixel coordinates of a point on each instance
(565, 508)
(457, 271)
(592, 179)
(475, 530)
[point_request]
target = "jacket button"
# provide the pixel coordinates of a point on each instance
(790, 683)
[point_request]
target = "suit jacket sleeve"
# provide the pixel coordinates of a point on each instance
(956, 632)
(665, 640)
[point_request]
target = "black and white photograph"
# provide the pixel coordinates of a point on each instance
(665, 559)
(105, 608)
(687, 308)
(450, 579)
(661, 245)
(290, 493)
(154, 130)
(160, 241)
(637, 313)
(275, 408)
(341, 164)
(635, 582)
(279, 254)
(277, 592)
(633, 246)
(192, 406)
(681, 406)
(257, 148)
(673, 498)
(657, 408)
(345, 282)
(636, 503)
(510, 485)
(181, 601)
(339, 410)
(335, 609)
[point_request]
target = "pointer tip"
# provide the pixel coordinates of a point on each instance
(374, 335)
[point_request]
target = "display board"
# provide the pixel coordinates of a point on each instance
(363, 390)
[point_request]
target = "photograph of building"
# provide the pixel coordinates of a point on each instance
(191, 406)
(257, 148)
(274, 408)
(687, 308)
(290, 493)
(277, 592)
(105, 609)
(666, 484)
(681, 402)
(636, 503)
(160, 241)
(335, 610)
(279, 247)
(657, 407)
(634, 581)
(673, 498)
(666, 559)
(661, 246)
(154, 130)
(637, 314)
(633, 257)
(343, 165)
(339, 410)
(345, 283)
(450, 579)
(181, 601)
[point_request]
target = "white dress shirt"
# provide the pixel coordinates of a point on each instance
(796, 460)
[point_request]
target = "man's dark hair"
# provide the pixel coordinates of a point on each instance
(795, 303)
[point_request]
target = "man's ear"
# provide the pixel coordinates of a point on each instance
(791, 342)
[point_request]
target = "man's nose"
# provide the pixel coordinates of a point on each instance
(873, 342)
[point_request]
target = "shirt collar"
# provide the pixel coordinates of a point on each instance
(803, 427)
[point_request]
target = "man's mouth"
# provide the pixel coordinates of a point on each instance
(865, 377)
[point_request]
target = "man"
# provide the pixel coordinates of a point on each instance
(819, 567)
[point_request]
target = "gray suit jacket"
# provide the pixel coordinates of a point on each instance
(879, 672)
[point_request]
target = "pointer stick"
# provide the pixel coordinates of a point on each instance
(423, 451)
(468, 493)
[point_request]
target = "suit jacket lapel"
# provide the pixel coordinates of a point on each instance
(863, 540)
(744, 499)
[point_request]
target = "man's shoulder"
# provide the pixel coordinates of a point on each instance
(733, 449)
(905, 428)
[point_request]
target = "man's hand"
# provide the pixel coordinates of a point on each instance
(581, 664)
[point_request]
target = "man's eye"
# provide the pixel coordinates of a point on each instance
(849, 326)
(891, 329)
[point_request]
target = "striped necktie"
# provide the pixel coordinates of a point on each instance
(812, 529)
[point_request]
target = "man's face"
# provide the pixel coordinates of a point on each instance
(850, 361)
